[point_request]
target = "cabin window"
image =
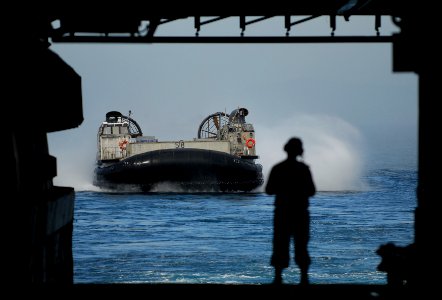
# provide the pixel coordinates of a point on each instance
(124, 130)
(115, 130)
(107, 130)
(248, 127)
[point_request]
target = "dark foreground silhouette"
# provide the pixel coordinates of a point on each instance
(292, 184)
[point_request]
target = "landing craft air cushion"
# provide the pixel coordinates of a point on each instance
(221, 158)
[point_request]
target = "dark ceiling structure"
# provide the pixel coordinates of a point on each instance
(142, 26)
(141, 30)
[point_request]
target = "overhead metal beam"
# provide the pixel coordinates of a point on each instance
(223, 39)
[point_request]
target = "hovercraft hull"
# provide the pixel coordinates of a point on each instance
(189, 169)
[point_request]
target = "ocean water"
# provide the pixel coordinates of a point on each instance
(227, 238)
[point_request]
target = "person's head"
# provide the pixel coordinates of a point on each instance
(294, 147)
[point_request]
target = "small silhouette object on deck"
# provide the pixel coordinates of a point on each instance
(292, 184)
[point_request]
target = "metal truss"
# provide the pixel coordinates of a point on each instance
(138, 30)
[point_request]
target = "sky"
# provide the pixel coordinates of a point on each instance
(343, 100)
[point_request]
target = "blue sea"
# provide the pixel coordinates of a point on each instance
(227, 238)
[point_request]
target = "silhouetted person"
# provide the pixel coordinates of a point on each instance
(292, 184)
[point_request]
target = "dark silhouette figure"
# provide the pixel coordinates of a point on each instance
(292, 184)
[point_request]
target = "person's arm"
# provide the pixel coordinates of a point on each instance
(310, 185)
(270, 186)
